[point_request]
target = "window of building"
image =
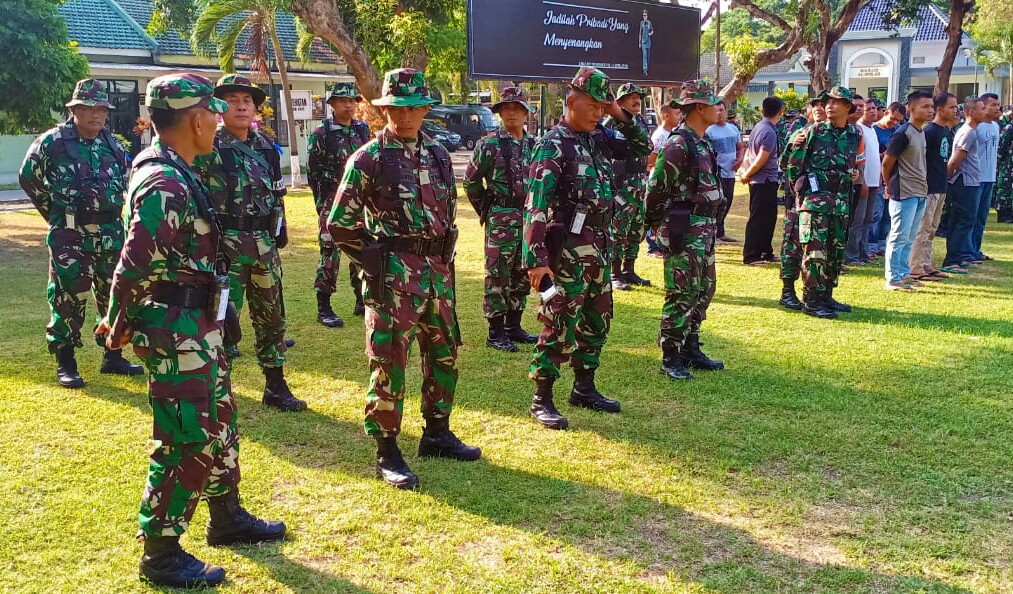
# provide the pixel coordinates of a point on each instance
(125, 98)
(964, 90)
(878, 93)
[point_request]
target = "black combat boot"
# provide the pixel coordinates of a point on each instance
(543, 409)
(325, 314)
(438, 441)
(816, 307)
(618, 278)
(694, 357)
(230, 524)
(289, 342)
(497, 336)
(789, 300)
(113, 362)
(390, 464)
(835, 304)
(630, 274)
(66, 368)
(1004, 215)
(673, 365)
(360, 308)
(277, 394)
(586, 395)
(165, 563)
(513, 329)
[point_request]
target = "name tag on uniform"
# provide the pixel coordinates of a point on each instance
(223, 303)
(814, 184)
(579, 216)
(69, 214)
(277, 228)
(424, 177)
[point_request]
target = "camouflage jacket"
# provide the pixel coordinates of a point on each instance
(167, 242)
(424, 206)
(592, 179)
(63, 170)
(1004, 177)
(824, 163)
(487, 170)
(632, 166)
(329, 147)
(677, 179)
(799, 124)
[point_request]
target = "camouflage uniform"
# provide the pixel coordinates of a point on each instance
(572, 172)
(828, 157)
(684, 196)
(1004, 181)
(495, 183)
(630, 176)
(329, 147)
(791, 248)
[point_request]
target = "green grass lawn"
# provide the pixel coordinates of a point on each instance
(868, 454)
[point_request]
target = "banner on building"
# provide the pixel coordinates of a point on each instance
(643, 42)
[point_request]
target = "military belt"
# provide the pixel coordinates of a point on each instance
(185, 296)
(247, 224)
(415, 245)
(591, 219)
(706, 210)
(94, 217)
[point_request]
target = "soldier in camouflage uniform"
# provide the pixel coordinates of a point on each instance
(1004, 180)
(566, 240)
(822, 169)
(167, 299)
(791, 249)
(684, 199)
(394, 214)
(496, 182)
(631, 180)
(76, 175)
(330, 146)
(244, 176)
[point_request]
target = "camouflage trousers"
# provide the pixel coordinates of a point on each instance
(390, 328)
(330, 256)
(576, 321)
(791, 248)
(506, 280)
(690, 282)
(195, 424)
(628, 224)
(78, 266)
(255, 276)
(823, 239)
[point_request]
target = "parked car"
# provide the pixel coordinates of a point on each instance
(450, 140)
(472, 121)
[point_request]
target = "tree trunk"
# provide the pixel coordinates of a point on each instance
(293, 138)
(954, 36)
(819, 74)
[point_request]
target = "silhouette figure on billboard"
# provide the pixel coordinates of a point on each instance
(646, 31)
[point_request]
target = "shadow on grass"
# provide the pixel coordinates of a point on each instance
(297, 576)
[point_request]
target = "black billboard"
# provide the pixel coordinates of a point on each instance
(643, 42)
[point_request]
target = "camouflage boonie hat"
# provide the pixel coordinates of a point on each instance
(629, 89)
(697, 91)
(237, 82)
(820, 97)
(791, 113)
(344, 90)
(512, 95)
(593, 82)
(91, 93)
(841, 93)
(182, 91)
(404, 87)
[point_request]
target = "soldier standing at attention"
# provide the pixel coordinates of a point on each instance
(630, 179)
(684, 196)
(394, 214)
(168, 298)
(76, 175)
(330, 146)
(822, 169)
(244, 176)
(566, 240)
(496, 182)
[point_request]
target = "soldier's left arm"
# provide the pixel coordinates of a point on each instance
(546, 169)
(346, 221)
(635, 141)
(477, 173)
(32, 177)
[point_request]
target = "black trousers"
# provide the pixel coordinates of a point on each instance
(758, 244)
(727, 188)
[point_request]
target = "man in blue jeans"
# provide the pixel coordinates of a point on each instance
(965, 189)
(884, 129)
(905, 170)
(988, 143)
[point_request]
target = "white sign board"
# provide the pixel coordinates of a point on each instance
(879, 71)
(302, 106)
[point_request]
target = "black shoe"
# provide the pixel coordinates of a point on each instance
(360, 309)
(113, 362)
(816, 307)
(66, 368)
(497, 336)
(165, 563)
(232, 351)
(694, 357)
(618, 278)
(673, 365)
(230, 524)
(586, 395)
(789, 299)
(513, 329)
(835, 304)
(630, 275)
(390, 464)
(325, 314)
(277, 393)
(289, 342)
(543, 409)
(438, 441)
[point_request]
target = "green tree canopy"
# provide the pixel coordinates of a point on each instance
(992, 28)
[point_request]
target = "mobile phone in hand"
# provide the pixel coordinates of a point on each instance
(547, 289)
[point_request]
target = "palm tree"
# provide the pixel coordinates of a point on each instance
(222, 24)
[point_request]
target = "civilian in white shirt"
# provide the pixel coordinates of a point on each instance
(865, 205)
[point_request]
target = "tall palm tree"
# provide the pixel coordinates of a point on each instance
(221, 26)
